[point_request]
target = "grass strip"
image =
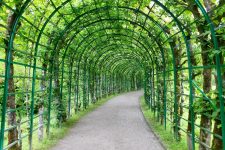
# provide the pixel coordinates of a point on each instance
(165, 136)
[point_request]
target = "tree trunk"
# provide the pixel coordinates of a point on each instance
(189, 127)
(206, 123)
(75, 91)
(217, 143)
(92, 87)
(61, 112)
(11, 104)
(41, 102)
(179, 111)
(40, 123)
(27, 102)
(84, 86)
(181, 101)
(19, 131)
(13, 133)
(178, 53)
(61, 116)
(162, 102)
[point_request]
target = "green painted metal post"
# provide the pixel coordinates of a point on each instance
(70, 88)
(97, 85)
(164, 93)
(127, 84)
(88, 85)
(145, 88)
(49, 97)
(113, 83)
(150, 82)
(77, 88)
(106, 85)
(175, 93)
(153, 90)
(84, 87)
(32, 108)
(157, 88)
(101, 85)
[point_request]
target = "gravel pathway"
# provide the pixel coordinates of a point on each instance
(117, 125)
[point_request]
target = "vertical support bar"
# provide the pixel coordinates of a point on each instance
(110, 83)
(175, 91)
(127, 84)
(49, 98)
(124, 83)
(32, 107)
(106, 85)
(100, 85)
(145, 88)
(152, 89)
(113, 82)
(88, 86)
(164, 89)
(70, 87)
(150, 82)
(121, 83)
(77, 88)
(84, 87)
(153, 95)
(157, 86)
(96, 86)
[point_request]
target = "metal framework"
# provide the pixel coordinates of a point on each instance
(94, 48)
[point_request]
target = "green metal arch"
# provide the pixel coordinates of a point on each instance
(8, 60)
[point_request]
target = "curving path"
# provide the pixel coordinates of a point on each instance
(117, 125)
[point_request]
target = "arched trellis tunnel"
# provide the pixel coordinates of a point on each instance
(57, 57)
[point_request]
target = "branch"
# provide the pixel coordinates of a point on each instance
(196, 74)
(183, 63)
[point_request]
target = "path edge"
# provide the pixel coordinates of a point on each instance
(149, 125)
